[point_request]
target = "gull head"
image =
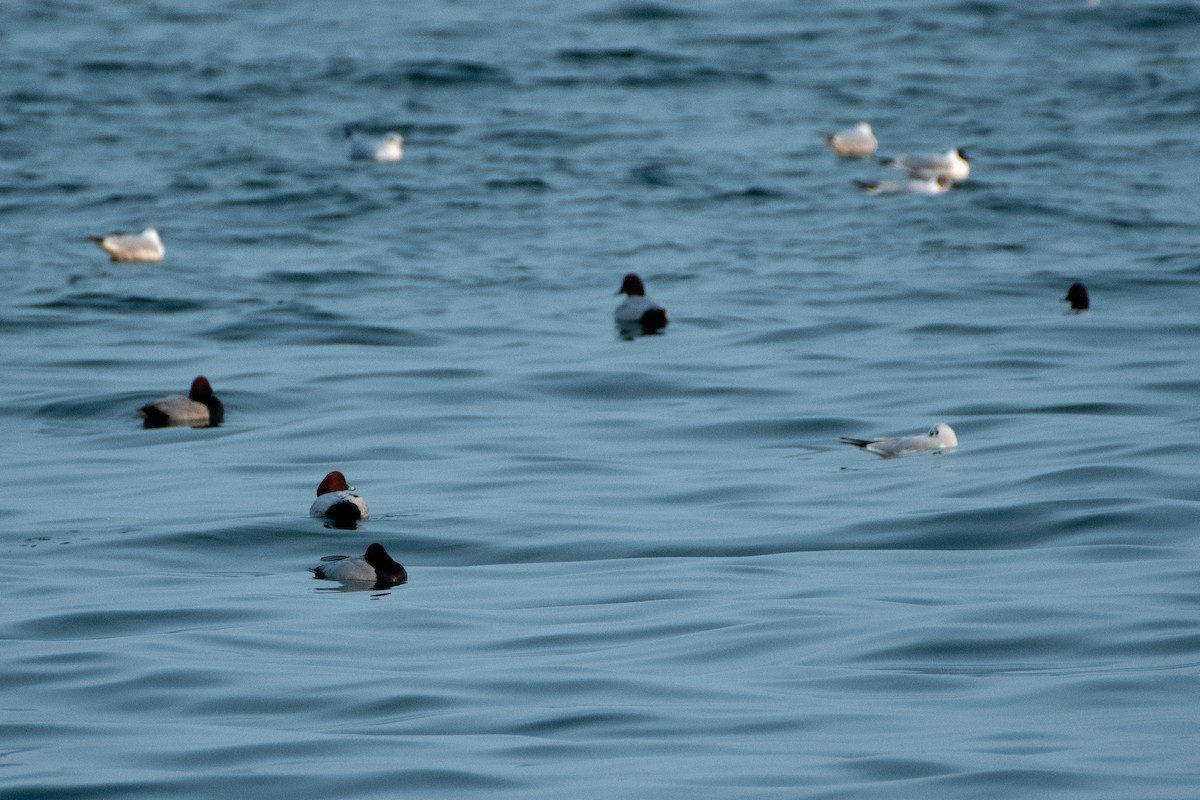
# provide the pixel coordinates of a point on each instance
(943, 435)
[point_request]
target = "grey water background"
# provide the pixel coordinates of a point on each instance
(638, 569)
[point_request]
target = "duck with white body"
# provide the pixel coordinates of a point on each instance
(638, 313)
(338, 502)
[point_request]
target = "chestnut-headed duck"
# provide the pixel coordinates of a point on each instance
(337, 501)
(637, 310)
(199, 409)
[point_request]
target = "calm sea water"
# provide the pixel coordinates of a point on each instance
(638, 569)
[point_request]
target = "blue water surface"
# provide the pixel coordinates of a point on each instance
(638, 569)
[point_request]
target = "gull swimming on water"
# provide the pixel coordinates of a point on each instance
(144, 246)
(939, 184)
(940, 437)
(953, 164)
(368, 148)
(853, 142)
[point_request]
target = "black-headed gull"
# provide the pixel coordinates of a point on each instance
(953, 164)
(936, 185)
(376, 567)
(940, 437)
(368, 148)
(144, 246)
(855, 142)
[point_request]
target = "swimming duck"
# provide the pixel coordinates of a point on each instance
(337, 501)
(1077, 296)
(199, 409)
(637, 309)
(375, 567)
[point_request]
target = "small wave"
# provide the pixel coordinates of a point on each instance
(92, 408)
(136, 66)
(757, 40)
(665, 78)
(1158, 16)
(956, 329)
(1093, 409)
(807, 333)
(114, 623)
(986, 409)
(1004, 527)
(642, 12)
(125, 304)
(656, 174)
(755, 193)
(786, 429)
(547, 138)
(522, 184)
(316, 278)
(977, 8)
(23, 97)
(620, 55)
(343, 333)
(119, 198)
(323, 197)
(441, 72)
(578, 723)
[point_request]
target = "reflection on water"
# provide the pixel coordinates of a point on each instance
(628, 331)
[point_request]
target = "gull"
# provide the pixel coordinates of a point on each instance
(853, 142)
(953, 164)
(367, 148)
(939, 184)
(144, 246)
(940, 437)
